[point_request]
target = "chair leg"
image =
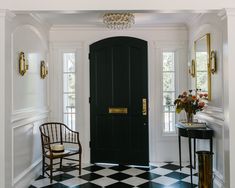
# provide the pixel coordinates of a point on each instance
(43, 166)
(61, 163)
(80, 163)
(51, 169)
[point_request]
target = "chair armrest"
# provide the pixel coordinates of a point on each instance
(72, 137)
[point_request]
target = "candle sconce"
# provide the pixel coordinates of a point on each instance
(23, 65)
(192, 69)
(43, 70)
(213, 62)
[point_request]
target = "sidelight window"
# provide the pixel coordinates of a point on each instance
(168, 91)
(69, 89)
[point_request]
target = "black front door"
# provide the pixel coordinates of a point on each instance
(118, 103)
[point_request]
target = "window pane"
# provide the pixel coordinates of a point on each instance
(169, 122)
(69, 119)
(69, 82)
(69, 62)
(168, 81)
(168, 98)
(168, 61)
(69, 103)
(202, 81)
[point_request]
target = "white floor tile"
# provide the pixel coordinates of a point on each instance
(106, 172)
(134, 181)
(165, 180)
(133, 171)
(186, 170)
(105, 181)
(73, 182)
(161, 171)
(188, 179)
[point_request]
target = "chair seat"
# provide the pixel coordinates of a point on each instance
(67, 152)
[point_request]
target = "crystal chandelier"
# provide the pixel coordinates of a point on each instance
(118, 20)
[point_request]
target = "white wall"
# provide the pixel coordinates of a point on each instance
(75, 5)
(214, 114)
(78, 39)
(26, 100)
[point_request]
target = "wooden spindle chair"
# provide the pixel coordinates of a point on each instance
(53, 133)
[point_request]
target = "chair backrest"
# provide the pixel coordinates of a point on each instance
(54, 132)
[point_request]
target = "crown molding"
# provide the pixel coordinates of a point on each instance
(224, 13)
(195, 18)
(41, 21)
(137, 27)
(7, 14)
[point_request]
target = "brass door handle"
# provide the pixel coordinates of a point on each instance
(144, 107)
(118, 110)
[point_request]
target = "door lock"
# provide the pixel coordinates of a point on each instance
(144, 106)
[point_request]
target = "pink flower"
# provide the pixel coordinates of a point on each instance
(201, 104)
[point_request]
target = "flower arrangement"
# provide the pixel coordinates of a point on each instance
(190, 103)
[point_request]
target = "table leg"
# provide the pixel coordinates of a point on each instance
(190, 159)
(194, 150)
(179, 140)
(211, 145)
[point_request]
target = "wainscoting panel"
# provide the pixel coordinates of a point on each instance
(26, 150)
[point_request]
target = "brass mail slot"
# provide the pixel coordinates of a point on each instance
(118, 111)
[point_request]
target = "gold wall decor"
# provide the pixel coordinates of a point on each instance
(43, 70)
(202, 50)
(213, 62)
(23, 65)
(192, 68)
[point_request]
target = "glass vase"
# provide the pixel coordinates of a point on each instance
(189, 117)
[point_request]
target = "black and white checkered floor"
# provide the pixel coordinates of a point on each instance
(162, 175)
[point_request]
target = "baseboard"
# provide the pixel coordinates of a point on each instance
(27, 176)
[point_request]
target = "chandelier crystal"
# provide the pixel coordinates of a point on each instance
(118, 20)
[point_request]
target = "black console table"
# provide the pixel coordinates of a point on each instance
(193, 133)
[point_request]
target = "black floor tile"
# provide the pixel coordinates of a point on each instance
(182, 184)
(93, 168)
(177, 175)
(119, 185)
(56, 185)
(87, 185)
(90, 177)
(69, 169)
(151, 185)
(148, 176)
(31, 186)
(171, 167)
(119, 167)
(62, 177)
(119, 176)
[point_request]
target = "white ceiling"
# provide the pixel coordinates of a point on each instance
(94, 18)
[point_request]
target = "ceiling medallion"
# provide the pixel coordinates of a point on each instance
(118, 20)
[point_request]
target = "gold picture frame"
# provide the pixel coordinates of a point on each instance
(202, 55)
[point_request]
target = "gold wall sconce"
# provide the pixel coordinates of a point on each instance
(192, 68)
(213, 62)
(23, 65)
(43, 70)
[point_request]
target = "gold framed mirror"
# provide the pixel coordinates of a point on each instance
(202, 51)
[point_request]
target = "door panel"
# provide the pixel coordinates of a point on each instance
(118, 79)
